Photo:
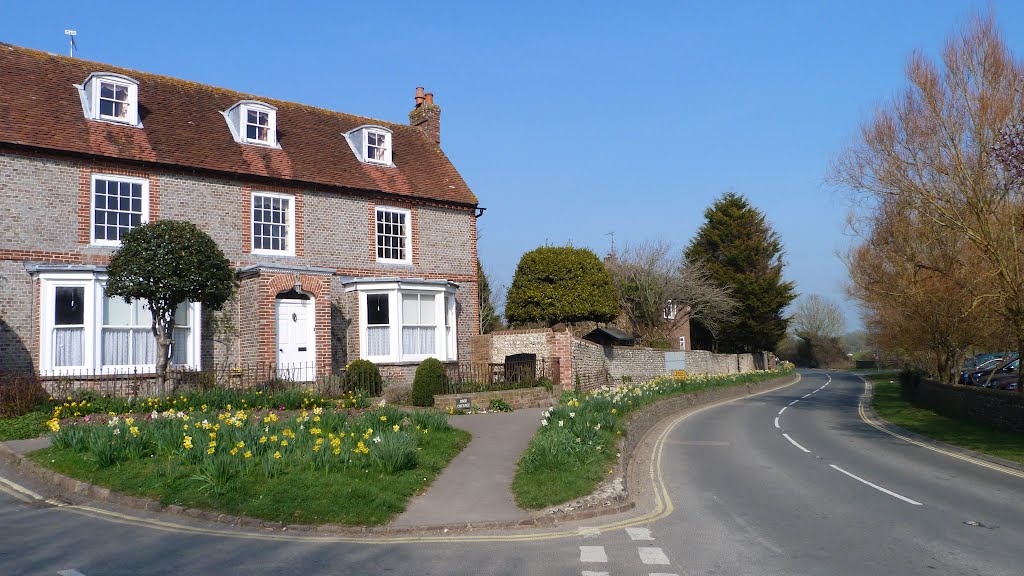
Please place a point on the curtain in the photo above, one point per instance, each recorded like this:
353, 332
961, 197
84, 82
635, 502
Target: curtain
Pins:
67, 349
180, 339
117, 346
418, 339
378, 340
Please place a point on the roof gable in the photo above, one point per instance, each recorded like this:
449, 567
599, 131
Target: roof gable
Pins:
183, 126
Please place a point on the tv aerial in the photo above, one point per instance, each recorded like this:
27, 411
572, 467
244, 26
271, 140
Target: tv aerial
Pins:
71, 37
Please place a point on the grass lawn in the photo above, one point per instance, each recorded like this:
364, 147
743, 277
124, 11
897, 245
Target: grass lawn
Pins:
30, 425
352, 496
963, 433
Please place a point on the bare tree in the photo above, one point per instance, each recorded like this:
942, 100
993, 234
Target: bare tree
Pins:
818, 316
930, 155
651, 276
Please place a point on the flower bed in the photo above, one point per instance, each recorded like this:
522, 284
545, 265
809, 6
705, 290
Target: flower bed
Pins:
575, 447
320, 465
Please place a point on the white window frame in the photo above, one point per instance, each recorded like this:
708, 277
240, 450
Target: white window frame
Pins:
445, 323
144, 218
386, 160
407, 249
89, 92
290, 225
271, 124
92, 353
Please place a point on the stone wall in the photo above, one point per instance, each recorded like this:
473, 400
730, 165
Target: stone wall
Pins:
997, 408
537, 397
591, 365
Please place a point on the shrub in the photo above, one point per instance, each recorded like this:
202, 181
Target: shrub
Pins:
364, 376
499, 405
20, 393
429, 381
399, 394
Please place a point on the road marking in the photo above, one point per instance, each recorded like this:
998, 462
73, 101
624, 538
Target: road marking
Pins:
21, 489
70, 573
794, 443
776, 421
783, 410
794, 401
639, 533
864, 417
806, 395
662, 574
589, 532
652, 555
877, 487
593, 554
589, 573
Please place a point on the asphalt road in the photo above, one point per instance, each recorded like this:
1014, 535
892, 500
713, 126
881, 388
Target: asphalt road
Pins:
751, 501
747, 500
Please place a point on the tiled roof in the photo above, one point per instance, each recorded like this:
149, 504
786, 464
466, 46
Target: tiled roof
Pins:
183, 127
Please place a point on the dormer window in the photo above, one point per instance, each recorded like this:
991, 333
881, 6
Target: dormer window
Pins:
114, 104
253, 122
371, 144
111, 98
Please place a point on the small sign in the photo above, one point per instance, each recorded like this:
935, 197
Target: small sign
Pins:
463, 404
679, 374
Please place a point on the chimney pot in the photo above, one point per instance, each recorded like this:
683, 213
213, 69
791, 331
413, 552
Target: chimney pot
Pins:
419, 96
430, 98
426, 115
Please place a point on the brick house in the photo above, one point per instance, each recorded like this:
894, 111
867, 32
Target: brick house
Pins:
352, 237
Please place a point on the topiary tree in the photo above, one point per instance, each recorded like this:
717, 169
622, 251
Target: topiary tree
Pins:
364, 375
165, 264
429, 381
561, 284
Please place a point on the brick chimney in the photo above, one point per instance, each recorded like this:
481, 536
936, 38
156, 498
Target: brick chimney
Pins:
426, 115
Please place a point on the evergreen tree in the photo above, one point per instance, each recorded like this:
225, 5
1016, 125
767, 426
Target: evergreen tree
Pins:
561, 284
742, 252
489, 318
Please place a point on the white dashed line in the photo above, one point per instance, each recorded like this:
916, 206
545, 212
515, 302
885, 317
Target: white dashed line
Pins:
794, 443
589, 573
776, 421
639, 534
589, 532
662, 574
877, 487
593, 554
70, 573
652, 555
806, 395
783, 410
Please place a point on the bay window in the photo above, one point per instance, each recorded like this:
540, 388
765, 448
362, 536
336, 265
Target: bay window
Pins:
405, 320
84, 331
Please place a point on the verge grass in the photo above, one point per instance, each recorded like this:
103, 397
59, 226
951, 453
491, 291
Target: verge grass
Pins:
30, 425
963, 433
576, 445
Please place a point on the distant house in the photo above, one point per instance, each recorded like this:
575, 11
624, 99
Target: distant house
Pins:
677, 323
352, 237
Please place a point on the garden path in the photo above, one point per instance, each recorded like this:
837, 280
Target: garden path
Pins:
477, 485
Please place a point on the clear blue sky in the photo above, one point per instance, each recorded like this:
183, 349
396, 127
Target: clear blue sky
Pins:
569, 120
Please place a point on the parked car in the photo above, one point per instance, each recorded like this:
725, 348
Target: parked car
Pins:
979, 362
1006, 381
981, 376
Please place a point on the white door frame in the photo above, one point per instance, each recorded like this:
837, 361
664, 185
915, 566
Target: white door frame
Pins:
304, 369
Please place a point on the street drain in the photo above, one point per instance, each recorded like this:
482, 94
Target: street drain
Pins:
974, 523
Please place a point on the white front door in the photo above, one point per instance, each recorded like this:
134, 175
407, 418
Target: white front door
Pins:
296, 357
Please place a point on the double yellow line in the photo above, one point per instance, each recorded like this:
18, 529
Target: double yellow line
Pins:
866, 397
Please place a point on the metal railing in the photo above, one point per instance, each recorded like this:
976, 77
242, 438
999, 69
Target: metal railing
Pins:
467, 377
263, 375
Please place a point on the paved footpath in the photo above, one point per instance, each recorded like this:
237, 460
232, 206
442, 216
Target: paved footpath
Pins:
477, 485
